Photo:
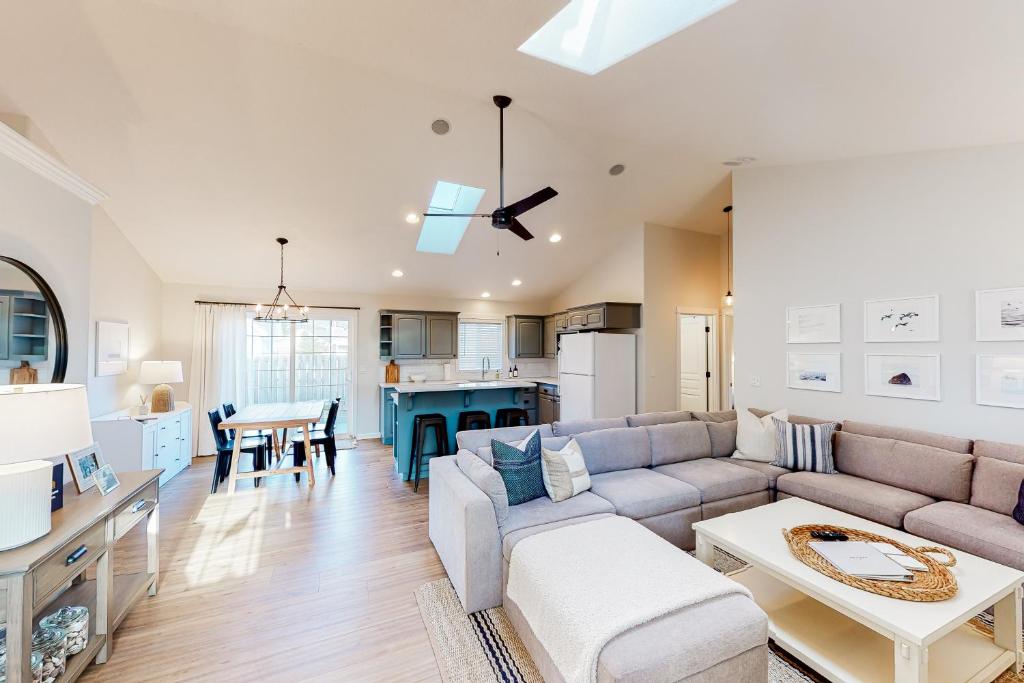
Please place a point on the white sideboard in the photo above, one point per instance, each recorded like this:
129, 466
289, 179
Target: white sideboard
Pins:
161, 440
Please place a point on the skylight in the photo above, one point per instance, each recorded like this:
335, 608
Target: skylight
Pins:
441, 235
592, 35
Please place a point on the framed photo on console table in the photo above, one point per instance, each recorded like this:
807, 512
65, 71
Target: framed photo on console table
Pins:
813, 324
1000, 380
911, 319
999, 314
84, 464
914, 376
814, 371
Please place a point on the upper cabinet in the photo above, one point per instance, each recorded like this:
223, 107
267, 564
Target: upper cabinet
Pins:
603, 316
418, 334
24, 326
525, 336
551, 337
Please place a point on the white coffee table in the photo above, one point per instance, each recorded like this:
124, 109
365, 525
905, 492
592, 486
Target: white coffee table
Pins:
846, 634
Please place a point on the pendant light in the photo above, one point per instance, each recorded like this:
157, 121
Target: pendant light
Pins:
728, 295
282, 311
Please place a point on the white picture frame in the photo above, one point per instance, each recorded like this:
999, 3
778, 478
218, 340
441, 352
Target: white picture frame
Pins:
814, 324
814, 371
112, 348
83, 464
914, 375
999, 380
999, 314
106, 479
904, 319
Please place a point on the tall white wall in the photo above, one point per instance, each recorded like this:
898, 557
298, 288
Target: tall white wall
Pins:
945, 223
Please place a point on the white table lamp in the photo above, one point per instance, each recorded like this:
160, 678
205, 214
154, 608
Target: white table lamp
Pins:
38, 421
163, 373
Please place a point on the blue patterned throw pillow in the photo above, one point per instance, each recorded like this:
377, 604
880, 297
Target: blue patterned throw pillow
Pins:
520, 468
804, 447
1018, 511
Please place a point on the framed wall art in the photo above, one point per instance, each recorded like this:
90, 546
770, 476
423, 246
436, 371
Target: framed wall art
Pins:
999, 380
999, 314
914, 376
814, 324
814, 371
910, 319
111, 348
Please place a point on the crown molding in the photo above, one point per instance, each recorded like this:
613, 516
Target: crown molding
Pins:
20, 149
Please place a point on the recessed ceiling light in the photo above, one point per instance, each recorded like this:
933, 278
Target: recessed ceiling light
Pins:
412, 218
617, 169
485, 295
516, 282
441, 127
555, 238
397, 273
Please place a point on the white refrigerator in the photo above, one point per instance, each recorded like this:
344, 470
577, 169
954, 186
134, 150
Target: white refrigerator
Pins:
596, 375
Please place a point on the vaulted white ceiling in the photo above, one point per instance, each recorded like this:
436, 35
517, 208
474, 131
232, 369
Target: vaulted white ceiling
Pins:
217, 125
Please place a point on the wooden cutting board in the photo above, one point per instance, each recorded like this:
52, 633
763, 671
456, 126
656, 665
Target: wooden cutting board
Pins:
392, 373
25, 374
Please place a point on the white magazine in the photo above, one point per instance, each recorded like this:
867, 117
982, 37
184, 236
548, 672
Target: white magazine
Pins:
861, 559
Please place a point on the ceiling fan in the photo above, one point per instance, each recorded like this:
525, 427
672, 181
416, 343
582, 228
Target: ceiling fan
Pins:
506, 217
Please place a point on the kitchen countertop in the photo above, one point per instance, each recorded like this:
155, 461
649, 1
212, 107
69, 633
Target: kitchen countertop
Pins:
458, 385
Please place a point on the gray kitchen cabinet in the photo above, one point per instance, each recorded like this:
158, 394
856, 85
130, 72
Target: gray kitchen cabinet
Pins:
410, 335
525, 336
550, 337
442, 335
5, 308
603, 316
561, 322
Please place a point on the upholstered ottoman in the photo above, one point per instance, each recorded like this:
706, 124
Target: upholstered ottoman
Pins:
720, 639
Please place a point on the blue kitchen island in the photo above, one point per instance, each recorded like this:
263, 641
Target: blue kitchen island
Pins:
401, 403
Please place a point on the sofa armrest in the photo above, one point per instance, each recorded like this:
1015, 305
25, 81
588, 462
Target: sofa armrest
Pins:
464, 530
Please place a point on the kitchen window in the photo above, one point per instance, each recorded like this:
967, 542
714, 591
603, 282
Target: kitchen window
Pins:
479, 339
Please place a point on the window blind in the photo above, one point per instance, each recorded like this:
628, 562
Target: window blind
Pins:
479, 340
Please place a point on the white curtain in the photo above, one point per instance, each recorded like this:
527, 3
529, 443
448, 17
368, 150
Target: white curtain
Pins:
219, 367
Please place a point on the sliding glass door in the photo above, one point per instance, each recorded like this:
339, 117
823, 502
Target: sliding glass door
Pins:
305, 361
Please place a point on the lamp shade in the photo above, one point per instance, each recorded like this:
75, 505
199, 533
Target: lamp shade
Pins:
42, 421
161, 372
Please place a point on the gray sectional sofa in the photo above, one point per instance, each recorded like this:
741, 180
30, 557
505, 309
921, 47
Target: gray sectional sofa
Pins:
668, 470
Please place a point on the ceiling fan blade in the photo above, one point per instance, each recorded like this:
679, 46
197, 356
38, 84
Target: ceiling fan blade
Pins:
459, 215
535, 199
519, 230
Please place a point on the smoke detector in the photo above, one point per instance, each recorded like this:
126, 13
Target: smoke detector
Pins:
441, 127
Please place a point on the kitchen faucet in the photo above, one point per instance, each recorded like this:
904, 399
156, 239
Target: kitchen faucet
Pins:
485, 367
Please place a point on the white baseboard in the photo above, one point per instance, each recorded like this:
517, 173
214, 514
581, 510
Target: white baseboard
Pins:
368, 435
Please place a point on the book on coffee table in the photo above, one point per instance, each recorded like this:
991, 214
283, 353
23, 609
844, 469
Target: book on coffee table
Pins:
861, 559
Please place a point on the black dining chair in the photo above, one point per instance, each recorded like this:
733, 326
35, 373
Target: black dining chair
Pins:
226, 448
318, 439
229, 410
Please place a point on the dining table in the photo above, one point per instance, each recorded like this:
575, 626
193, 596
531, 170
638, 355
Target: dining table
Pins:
273, 416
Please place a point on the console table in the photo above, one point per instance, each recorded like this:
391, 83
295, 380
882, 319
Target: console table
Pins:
38, 578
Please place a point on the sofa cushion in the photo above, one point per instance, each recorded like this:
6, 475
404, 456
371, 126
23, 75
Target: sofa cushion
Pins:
718, 416
608, 450
773, 472
996, 484
509, 540
478, 438
544, 511
648, 419
723, 438
678, 442
553, 443
1000, 451
487, 480
946, 443
716, 479
574, 427
640, 493
980, 532
862, 497
925, 469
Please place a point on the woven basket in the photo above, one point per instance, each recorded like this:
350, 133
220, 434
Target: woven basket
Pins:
938, 583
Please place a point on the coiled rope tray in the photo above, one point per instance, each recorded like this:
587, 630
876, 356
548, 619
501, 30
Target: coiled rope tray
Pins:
938, 583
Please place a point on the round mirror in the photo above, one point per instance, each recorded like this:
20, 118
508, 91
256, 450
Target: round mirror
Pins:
33, 333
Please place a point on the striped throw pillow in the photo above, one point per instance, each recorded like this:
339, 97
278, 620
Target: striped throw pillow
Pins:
565, 472
520, 468
804, 447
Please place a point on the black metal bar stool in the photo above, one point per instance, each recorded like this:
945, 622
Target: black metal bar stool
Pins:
474, 419
511, 417
420, 425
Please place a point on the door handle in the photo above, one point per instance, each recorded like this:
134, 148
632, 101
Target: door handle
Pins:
76, 556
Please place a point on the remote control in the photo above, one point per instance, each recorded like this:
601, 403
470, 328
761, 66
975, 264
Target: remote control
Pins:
829, 536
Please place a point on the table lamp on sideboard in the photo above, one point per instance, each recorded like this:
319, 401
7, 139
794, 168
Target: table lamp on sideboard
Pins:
38, 421
163, 373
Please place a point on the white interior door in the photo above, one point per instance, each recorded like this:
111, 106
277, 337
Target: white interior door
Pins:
694, 368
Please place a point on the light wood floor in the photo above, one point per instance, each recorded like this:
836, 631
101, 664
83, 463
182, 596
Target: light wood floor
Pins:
283, 584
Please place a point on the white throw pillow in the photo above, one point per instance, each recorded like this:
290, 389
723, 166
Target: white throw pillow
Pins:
565, 472
755, 436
